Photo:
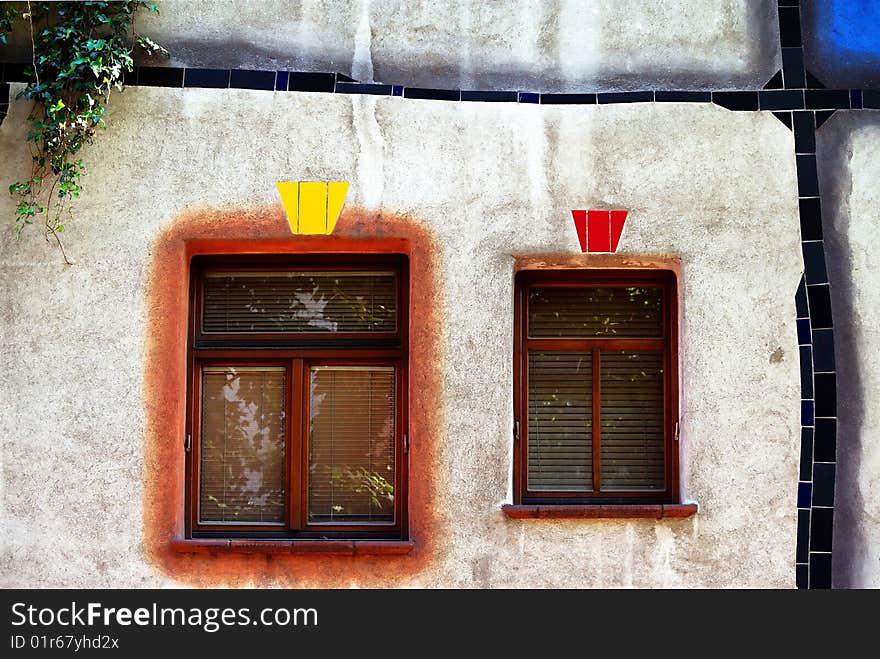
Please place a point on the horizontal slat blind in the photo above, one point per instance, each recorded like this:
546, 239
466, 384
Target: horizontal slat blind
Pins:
582, 312
631, 405
242, 445
560, 441
300, 302
351, 444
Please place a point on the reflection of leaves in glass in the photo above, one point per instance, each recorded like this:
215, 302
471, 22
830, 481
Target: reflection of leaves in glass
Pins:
361, 481
318, 303
243, 447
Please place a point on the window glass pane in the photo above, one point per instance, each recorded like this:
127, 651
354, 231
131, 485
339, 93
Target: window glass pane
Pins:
300, 302
560, 433
631, 386
351, 444
241, 465
581, 312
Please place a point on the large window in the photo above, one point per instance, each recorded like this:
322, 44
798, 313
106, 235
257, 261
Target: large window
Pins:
297, 407
595, 387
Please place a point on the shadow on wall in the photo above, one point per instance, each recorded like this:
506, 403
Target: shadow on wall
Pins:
526, 45
842, 41
852, 544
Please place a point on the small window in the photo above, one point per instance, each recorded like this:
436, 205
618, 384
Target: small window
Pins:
595, 387
296, 412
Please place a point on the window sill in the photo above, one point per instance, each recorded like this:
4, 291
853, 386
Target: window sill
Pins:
599, 511
296, 547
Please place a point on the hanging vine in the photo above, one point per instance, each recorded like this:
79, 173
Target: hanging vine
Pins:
80, 53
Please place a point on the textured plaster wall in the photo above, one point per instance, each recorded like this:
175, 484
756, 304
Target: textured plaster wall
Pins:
466, 44
848, 172
490, 183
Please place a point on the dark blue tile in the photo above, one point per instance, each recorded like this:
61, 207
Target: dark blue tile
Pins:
160, 76
626, 97
825, 441
823, 351
247, 79
682, 97
130, 77
811, 219
801, 576
793, 67
808, 178
800, 301
822, 116
311, 82
802, 550
814, 263
789, 27
281, 80
806, 413
775, 82
363, 88
781, 99
821, 528
855, 99
819, 298
489, 96
529, 97
812, 81
397, 90
739, 101
568, 99
806, 465
820, 571
823, 484
341, 77
804, 496
825, 394
784, 117
826, 99
17, 72
803, 331
206, 78
432, 94
804, 132
806, 361
871, 98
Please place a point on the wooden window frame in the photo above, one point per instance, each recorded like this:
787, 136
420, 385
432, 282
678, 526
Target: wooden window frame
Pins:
668, 344
297, 353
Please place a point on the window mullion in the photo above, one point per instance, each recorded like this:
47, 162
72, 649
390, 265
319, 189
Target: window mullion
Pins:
296, 405
597, 432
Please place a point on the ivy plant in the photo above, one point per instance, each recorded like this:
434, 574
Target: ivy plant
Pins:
81, 51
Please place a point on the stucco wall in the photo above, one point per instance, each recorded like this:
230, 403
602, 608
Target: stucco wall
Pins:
489, 183
531, 45
849, 171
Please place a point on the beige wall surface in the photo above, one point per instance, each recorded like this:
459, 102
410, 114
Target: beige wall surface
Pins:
489, 183
849, 171
531, 45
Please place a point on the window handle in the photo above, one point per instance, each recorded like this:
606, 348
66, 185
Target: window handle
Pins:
187, 444
677, 430
405, 443
515, 431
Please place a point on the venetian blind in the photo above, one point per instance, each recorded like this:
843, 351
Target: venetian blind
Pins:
299, 302
582, 312
351, 444
242, 445
631, 404
560, 441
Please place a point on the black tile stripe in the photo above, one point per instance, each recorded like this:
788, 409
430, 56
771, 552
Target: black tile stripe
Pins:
432, 94
568, 99
247, 79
